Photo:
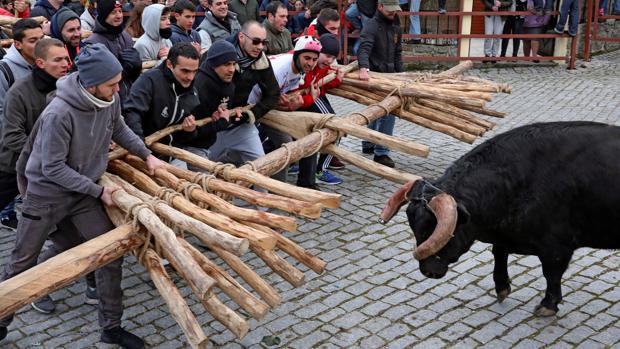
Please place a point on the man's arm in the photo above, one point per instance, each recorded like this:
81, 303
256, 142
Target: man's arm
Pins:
55, 145
367, 42
270, 93
4, 87
14, 133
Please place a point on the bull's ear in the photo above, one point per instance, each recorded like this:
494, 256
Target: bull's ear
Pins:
463, 213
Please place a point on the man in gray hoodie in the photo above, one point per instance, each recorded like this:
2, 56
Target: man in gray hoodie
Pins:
154, 44
62, 172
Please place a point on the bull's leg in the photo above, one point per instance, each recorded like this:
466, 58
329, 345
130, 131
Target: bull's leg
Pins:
500, 272
553, 267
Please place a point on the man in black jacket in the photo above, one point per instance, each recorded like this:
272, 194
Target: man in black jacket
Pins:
166, 96
240, 142
381, 51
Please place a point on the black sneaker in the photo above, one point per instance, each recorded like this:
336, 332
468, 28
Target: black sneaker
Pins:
3, 332
9, 221
121, 337
44, 305
92, 297
384, 160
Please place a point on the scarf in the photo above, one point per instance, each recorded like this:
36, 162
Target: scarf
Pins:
96, 101
246, 61
43, 82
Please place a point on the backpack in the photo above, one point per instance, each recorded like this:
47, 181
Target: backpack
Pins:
8, 74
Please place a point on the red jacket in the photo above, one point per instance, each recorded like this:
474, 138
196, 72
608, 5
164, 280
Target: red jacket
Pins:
23, 14
316, 75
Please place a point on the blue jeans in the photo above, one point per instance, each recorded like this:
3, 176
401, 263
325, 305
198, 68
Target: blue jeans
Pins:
414, 21
569, 7
354, 17
384, 125
616, 7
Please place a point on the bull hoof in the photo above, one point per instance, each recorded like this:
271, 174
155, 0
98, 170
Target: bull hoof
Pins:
543, 311
502, 294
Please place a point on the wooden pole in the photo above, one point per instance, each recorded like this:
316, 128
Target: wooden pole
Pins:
297, 207
216, 220
460, 113
176, 304
223, 206
233, 321
211, 237
244, 174
198, 280
280, 266
63, 269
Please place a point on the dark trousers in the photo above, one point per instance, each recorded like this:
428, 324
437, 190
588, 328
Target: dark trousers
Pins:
8, 188
513, 25
71, 214
309, 166
273, 139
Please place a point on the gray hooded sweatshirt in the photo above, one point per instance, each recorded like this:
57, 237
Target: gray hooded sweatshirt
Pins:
150, 42
19, 67
70, 151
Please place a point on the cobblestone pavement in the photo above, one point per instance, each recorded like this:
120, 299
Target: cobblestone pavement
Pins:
372, 295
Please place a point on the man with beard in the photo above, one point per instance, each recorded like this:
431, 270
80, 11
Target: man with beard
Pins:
381, 51
109, 32
66, 27
240, 142
218, 24
279, 38
62, 172
289, 70
154, 44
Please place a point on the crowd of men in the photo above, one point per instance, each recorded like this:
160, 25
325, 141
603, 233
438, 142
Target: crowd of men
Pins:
65, 101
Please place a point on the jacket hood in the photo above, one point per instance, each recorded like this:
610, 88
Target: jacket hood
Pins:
16, 58
150, 21
68, 89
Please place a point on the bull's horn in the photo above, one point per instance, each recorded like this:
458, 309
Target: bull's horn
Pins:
444, 207
396, 201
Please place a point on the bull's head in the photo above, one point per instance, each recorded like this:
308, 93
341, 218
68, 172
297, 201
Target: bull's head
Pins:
435, 217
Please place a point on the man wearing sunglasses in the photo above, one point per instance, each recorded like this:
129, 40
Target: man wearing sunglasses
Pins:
240, 142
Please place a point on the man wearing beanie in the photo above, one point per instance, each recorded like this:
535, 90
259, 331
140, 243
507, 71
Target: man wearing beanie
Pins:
62, 171
165, 96
155, 43
314, 100
381, 51
109, 32
66, 27
289, 70
240, 142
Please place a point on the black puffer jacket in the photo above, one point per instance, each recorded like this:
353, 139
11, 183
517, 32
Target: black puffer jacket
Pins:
380, 48
157, 101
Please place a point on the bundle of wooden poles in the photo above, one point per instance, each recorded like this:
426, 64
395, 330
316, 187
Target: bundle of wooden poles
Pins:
155, 212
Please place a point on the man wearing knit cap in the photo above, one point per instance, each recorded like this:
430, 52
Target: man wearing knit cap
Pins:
109, 32
66, 27
62, 171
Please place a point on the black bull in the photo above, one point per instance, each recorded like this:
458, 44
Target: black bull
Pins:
543, 189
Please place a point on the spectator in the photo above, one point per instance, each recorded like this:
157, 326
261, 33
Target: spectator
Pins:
246, 10
353, 15
166, 96
19, 6
109, 32
414, 21
380, 50
183, 12
315, 101
240, 142
201, 11
62, 170
494, 25
533, 24
24, 103
20, 57
514, 25
46, 8
569, 8
219, 24
298, 22
278, 37
328, 21
134, 25
66, 27
155, 43
87, 18
288, 70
